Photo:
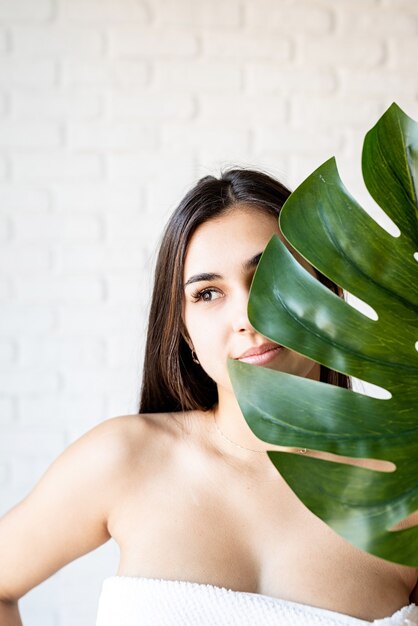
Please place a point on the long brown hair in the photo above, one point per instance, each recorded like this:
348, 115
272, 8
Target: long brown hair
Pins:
172, 381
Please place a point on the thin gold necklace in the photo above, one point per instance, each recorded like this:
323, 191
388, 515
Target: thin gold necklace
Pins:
234, 443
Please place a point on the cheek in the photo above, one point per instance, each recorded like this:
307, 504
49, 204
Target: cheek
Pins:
209, 344
204, 336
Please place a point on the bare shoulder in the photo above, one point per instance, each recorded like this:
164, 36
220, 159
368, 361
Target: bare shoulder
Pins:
126, 432
136, 441
67, 513
117, 441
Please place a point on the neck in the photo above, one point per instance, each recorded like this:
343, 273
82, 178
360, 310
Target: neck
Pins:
234, 436
231, 422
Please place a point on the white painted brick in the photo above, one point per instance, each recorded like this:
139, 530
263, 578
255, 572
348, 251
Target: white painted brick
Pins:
31, 227
162, 199
125, 402
35, 615
403, 54
4, 170
393, 21
112, 136
49, 104
24, 441
15, 258
5, 228
149, 106
128, 229
4, 474
15, 72
26, 10
26, 469
3, 104
212, 157
367, 4
19, 197
378, 83
7, 410
8, 352
93, 258
57, 166
9, 495
198, 76
404, 6
283, 139
122, 351
238, 46
301, 166
97, 319
30, 135
127, 287
21, 381
205, 137
145, 165
267, 78
344, 51
6, 290
57, 41
4, 41
207, 13
80, 613
334, 112
130, 42
84, 410
286, 17
111, 74
105, 11
99, 197
240, 109
84, 379
63, 350
15, 318
37, 289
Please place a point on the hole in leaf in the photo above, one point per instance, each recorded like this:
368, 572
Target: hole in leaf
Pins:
416, 346
377, 465
361, 306
416, 256
407, 522
368, 389
379, 216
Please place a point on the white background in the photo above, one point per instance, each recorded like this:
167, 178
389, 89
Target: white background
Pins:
109, 111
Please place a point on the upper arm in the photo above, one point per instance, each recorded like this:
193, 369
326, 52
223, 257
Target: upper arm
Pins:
65, 516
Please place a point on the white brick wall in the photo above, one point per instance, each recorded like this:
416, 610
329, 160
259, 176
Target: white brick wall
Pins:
109, 111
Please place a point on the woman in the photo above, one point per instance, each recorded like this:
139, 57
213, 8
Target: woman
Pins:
209, 533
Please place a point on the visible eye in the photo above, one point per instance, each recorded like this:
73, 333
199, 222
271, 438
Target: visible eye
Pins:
206, 295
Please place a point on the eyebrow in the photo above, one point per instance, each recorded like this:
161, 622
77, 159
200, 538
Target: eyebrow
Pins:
207, 276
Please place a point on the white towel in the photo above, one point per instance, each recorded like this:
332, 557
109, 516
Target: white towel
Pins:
136, 601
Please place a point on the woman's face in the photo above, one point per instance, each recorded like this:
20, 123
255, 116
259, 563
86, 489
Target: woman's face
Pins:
221, 259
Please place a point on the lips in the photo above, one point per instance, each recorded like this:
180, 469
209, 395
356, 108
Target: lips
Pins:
259, 355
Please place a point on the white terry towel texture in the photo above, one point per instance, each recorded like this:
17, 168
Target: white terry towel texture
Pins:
136, 601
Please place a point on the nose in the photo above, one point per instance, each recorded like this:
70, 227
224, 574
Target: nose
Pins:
240, 321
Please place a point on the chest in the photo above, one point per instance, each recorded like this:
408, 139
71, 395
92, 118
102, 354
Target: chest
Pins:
249, 535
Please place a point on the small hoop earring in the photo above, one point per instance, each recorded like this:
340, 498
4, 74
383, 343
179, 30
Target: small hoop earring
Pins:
194, 357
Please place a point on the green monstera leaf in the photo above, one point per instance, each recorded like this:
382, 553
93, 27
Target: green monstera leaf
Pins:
331, 230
